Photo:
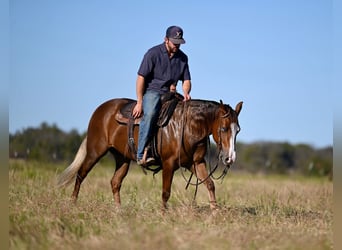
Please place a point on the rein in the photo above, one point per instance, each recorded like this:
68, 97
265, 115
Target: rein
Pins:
210, 174
212, 170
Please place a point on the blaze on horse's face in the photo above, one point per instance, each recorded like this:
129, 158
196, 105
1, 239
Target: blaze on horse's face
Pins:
227, 130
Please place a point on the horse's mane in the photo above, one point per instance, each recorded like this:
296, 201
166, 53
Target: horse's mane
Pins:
200, 102
201, 107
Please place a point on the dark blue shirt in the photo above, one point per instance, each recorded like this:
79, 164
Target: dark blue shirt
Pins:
160, 71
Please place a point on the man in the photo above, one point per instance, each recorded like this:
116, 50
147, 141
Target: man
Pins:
160, 70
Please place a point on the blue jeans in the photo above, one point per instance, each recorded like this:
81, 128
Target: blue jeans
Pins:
151, 107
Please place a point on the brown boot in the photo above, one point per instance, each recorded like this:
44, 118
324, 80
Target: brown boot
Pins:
148, 162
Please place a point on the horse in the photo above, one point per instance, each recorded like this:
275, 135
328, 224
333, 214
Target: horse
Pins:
181, 143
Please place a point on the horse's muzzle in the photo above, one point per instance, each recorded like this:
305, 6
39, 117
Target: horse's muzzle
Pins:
228, 159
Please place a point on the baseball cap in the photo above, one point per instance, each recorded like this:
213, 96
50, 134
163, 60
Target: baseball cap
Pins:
175, 34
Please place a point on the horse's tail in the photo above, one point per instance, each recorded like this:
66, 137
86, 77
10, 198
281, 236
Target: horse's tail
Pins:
69, 174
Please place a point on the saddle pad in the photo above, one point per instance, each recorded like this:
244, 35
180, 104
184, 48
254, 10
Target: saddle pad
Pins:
124, 116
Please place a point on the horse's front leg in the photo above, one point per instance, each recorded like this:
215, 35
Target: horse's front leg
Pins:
122, 166
167, 181
202, 174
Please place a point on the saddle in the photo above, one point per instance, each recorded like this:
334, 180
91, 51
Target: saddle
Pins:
169, 102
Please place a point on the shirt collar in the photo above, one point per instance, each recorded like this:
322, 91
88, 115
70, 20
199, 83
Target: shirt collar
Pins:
164, 50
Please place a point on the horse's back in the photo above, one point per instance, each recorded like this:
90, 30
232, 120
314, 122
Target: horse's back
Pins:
111, 106
103, 118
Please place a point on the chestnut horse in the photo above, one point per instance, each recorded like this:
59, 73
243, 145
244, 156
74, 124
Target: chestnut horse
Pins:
181, 143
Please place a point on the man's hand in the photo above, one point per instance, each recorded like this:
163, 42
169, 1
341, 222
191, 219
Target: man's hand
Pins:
187, 97
137, 111
173, 88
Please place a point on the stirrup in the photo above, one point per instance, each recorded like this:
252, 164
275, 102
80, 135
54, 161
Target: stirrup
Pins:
148, 161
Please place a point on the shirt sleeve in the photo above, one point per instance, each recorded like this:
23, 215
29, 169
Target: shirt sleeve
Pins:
146, 66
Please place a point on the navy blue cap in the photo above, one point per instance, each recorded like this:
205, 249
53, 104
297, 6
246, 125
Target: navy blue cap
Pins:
175, 34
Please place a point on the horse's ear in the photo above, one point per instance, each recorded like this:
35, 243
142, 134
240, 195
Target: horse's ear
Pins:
238, 108
221, 102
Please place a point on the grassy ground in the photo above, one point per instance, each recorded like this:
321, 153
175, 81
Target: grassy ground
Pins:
256, 212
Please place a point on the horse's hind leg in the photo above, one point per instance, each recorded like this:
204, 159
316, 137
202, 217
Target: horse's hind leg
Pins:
121, 169
200, 171
88, 163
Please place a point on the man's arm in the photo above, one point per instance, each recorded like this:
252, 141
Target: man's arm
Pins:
186, 89
140, 86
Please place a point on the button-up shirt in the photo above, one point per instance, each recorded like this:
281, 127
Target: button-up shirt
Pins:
160, 71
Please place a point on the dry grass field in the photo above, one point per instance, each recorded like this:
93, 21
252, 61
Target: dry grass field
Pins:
256, 212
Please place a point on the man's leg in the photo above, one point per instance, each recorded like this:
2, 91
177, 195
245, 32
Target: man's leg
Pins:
151, 107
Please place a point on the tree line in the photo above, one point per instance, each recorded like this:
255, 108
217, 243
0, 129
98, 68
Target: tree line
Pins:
51, 144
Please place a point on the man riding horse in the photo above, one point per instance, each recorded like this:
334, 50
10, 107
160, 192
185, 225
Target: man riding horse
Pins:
160, 70
182, 141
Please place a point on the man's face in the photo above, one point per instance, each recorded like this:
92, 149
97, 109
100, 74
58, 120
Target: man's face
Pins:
171, 47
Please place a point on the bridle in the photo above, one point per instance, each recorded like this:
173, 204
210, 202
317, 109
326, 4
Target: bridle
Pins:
221, 129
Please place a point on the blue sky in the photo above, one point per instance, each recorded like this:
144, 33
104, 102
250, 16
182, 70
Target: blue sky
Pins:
67, 57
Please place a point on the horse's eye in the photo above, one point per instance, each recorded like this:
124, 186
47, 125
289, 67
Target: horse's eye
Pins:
224, 129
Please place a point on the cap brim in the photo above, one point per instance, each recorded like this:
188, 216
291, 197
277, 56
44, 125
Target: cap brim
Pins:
177, 41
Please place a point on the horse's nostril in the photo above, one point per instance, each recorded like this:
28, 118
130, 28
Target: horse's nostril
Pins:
227, 160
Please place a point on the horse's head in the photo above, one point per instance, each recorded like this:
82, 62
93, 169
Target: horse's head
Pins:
225, 130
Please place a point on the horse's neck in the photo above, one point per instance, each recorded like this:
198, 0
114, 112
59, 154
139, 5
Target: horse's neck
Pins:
201, 113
